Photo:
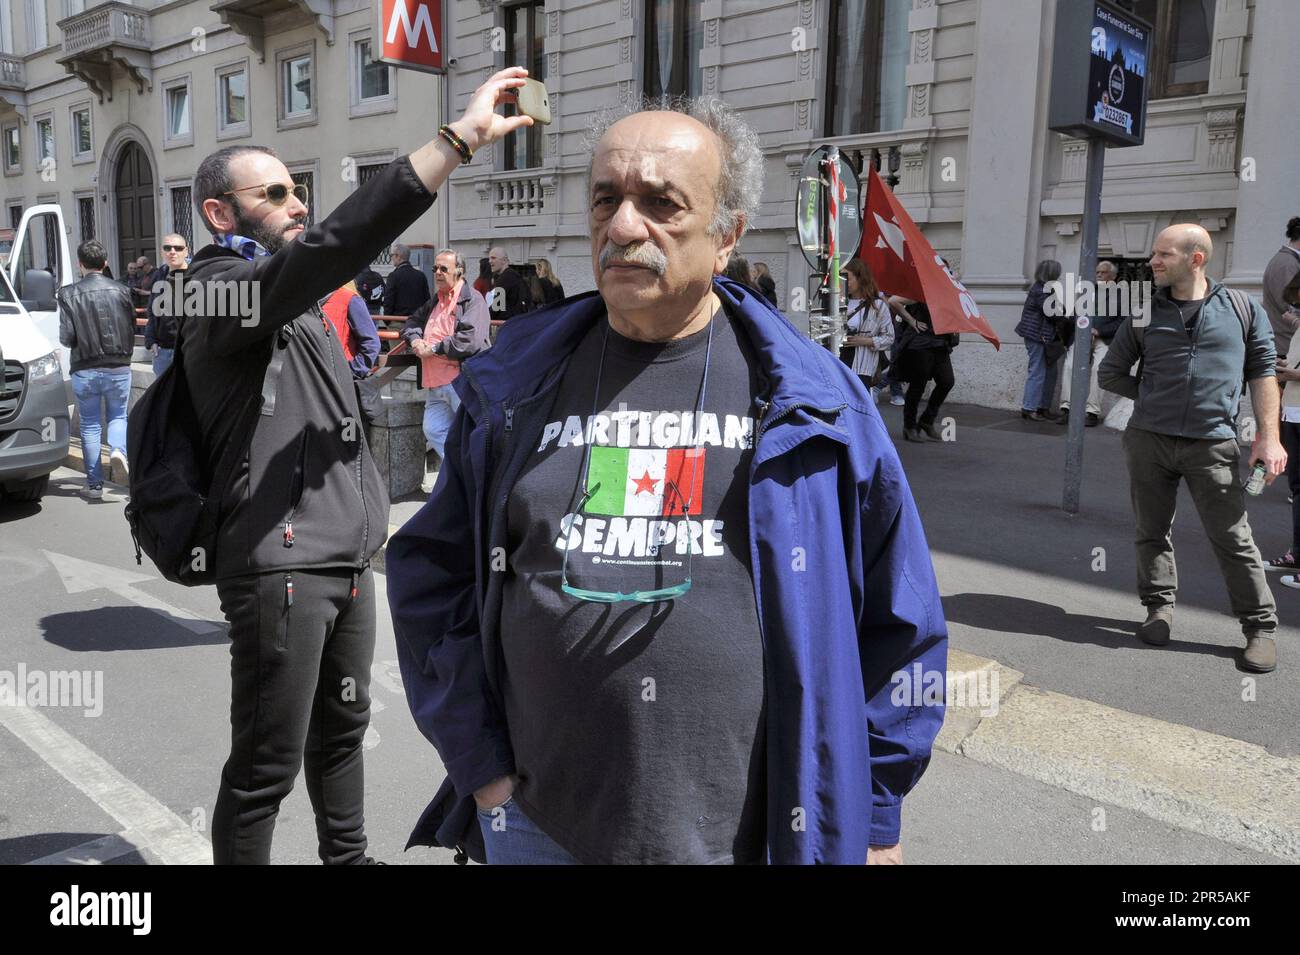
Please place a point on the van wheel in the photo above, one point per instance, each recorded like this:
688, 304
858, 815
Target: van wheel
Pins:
30, 491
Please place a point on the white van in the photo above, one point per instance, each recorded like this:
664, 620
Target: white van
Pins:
35, 393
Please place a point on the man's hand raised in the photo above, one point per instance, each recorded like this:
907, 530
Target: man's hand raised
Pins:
481, 123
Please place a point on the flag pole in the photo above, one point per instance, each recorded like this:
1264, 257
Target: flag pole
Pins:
833, 229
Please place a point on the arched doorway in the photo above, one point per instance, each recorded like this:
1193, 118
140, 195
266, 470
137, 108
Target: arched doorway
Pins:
134, 193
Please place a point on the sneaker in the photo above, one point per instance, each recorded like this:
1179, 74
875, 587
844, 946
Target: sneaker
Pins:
1031, 415
1260, 655
118, 472
1093, 420
897, 401
94, 491
1291, 580
1155, 630
1286, 562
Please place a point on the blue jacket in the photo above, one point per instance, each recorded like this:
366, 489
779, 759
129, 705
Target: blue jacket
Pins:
1035, 324
843, 581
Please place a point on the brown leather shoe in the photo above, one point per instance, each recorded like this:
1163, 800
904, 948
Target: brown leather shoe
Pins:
1155, 630
1260, 655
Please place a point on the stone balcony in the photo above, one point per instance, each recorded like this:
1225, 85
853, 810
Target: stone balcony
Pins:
254, 19
13, 84
105, 42
12, 74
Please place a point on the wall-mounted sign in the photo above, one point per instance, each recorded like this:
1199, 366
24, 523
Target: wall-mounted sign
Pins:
410, 34
1099, 72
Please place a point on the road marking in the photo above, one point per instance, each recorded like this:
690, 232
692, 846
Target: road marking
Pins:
151, 824
1224, 788
81, 575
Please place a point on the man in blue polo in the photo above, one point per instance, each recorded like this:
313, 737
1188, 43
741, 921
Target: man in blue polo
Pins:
652, 610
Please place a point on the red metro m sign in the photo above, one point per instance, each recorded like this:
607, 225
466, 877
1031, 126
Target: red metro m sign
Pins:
410, 34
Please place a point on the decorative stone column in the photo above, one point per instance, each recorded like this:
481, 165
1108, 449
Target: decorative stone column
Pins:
1001, 203
1266, 198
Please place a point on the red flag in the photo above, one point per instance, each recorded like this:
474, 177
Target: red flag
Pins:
905, 264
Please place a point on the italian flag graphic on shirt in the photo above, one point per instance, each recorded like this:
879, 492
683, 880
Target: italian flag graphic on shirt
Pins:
636, 481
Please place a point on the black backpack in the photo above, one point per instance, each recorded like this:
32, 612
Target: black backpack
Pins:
173, 510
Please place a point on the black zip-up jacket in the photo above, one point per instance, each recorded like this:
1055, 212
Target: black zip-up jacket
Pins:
161, 327
405, 290
1191, 382
97, 322
307, 494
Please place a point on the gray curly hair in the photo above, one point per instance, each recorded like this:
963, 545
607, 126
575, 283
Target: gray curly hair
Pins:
740, 185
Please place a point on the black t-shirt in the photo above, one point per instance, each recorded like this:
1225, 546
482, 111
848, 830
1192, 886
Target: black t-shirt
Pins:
637, 728
1189, 310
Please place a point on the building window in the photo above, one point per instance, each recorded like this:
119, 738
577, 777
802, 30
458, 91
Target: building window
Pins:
365, 173
178, 128
297, 92
38, 32
73, 7
376, 78
83, 142
866, 70
373, 84
674, 36
45, 142
232, 102
86, 216
1181, 42
15, 215
307, 177
525, 45
297, 86
13, 148
183, 214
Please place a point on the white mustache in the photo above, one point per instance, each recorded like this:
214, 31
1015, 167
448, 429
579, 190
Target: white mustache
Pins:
645, 254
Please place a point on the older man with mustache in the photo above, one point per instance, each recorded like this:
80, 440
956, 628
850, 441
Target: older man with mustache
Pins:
655, 608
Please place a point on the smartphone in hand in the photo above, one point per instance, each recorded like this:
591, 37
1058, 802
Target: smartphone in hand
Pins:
534, 101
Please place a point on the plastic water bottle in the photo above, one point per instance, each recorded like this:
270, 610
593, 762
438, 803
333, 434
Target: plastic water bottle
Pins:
1255, 483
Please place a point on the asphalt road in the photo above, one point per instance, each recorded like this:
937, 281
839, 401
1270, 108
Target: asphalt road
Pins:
1019, 586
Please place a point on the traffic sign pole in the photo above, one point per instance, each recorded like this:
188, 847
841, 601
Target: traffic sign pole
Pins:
1078, 371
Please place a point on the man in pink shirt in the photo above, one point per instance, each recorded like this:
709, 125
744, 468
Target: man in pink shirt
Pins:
449, 328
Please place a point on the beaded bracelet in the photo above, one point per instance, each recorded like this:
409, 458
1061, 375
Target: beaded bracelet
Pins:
456, 143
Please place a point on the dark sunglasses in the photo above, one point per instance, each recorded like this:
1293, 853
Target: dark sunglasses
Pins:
173, 248
441, 268
276, 193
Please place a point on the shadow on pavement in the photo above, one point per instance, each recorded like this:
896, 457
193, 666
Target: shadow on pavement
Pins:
23, 849
122, 628
15, 511
1018, 615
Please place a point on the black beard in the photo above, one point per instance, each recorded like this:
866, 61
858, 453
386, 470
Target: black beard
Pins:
265, 236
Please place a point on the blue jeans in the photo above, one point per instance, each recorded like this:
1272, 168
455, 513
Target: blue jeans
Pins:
1041, 380
93, 388
440, 407
162, 360
511, 838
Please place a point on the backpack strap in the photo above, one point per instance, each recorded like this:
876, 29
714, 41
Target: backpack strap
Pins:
274, 368
1241, 305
